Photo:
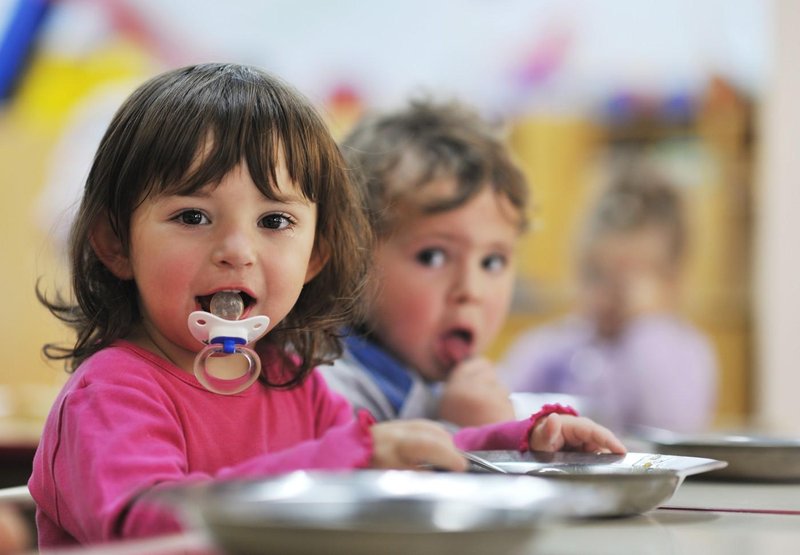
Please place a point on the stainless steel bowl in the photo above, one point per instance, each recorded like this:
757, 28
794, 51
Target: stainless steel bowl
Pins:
749, 457
637, 482
384, 512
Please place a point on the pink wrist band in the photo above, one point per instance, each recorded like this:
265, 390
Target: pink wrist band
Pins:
546, 410
365, 421
553, 408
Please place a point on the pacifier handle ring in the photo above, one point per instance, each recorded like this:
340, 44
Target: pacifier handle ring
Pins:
225, 386
226, 337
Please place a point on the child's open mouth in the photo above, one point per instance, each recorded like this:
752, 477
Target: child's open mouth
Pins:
456, 346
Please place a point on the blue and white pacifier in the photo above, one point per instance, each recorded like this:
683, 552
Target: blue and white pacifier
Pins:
224, 335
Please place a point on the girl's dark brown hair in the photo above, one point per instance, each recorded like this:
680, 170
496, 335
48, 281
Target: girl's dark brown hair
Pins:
229, 114
396, 155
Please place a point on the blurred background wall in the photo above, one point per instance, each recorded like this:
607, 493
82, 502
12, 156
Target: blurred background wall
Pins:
577, 83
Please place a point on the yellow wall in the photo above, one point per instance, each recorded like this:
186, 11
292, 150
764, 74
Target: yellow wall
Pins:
32, 122
29, 382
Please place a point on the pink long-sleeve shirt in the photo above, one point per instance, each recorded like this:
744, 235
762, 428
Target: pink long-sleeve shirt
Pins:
128, 421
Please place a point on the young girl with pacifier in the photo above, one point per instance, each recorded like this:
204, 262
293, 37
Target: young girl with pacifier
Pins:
215, 256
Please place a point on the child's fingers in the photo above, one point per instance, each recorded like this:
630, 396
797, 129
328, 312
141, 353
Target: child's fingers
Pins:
14, 533
411, 443
557, 431
586, 435
473, 395
547, 434
433, 447
478, 368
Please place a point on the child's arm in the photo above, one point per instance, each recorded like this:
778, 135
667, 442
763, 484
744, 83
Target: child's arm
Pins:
564, 431
473, 395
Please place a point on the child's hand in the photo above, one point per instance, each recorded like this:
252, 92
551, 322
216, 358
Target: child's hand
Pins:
557, 432
407, 444
473, 395
14, 532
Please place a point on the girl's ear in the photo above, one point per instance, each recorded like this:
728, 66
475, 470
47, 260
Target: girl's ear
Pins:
319, 257
108, 248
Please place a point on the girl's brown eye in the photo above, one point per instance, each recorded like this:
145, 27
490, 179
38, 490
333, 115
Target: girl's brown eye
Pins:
276, 221
191, 217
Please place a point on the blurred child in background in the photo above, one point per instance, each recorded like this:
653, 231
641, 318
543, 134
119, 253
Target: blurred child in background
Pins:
625, 351
447, 205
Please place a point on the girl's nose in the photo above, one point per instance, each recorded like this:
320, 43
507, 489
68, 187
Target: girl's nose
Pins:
234, 248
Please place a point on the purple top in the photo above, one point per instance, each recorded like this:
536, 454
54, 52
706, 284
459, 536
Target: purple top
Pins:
661, 372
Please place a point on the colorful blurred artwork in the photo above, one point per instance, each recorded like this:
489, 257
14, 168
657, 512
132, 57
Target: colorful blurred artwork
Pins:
24, 21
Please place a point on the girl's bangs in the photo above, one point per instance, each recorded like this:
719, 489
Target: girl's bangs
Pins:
247, 123
215, 158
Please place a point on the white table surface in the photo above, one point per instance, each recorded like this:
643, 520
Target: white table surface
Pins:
703, 517
675, 532
742, 496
